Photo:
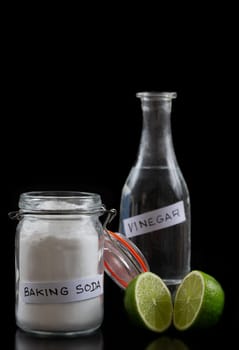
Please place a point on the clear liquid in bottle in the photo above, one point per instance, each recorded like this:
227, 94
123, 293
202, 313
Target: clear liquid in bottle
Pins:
155, 202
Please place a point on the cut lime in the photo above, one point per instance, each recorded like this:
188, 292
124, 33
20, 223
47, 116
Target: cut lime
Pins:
148, 302
199, 301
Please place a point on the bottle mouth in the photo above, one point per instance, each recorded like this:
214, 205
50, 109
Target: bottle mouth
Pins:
154, 95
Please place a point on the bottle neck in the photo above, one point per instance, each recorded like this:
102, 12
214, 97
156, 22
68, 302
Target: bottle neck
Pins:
156, 145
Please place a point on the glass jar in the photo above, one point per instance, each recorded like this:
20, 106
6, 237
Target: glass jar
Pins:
59, 262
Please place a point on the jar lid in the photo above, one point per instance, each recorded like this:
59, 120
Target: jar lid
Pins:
122, 259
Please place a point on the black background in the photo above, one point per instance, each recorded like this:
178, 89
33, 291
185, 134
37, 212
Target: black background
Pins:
71, 121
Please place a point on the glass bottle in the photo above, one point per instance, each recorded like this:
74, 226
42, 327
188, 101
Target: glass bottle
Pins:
155, 202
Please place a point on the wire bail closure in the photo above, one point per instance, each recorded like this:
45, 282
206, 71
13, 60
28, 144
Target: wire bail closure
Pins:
111, 213
15, 215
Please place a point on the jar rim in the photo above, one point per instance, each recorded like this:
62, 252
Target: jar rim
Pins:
58, 194
156, 95
62, 201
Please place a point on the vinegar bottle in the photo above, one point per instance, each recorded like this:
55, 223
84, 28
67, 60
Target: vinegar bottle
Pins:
155, 202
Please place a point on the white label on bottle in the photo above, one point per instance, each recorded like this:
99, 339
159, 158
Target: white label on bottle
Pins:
61, 292
154, 220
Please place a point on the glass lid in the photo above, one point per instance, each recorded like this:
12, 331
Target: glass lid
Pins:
122, 259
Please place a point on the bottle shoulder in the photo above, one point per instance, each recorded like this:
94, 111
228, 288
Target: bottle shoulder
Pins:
158, 175
148, 182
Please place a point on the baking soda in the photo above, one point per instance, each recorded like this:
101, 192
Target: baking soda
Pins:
60, 273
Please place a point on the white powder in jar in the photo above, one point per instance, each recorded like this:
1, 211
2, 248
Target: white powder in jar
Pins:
59, 249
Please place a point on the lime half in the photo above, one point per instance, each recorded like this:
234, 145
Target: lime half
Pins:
199, 301
148, 302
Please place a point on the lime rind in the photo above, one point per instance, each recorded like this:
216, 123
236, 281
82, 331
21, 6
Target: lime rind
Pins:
213, 302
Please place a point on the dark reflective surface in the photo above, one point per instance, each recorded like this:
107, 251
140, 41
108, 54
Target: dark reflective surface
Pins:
24, 341
167, 343
117, 332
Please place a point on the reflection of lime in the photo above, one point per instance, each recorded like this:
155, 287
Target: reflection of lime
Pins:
166, 343
148, 302
198, 302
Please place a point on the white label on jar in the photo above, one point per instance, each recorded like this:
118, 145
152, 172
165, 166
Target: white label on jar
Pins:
61, 292
154, 220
